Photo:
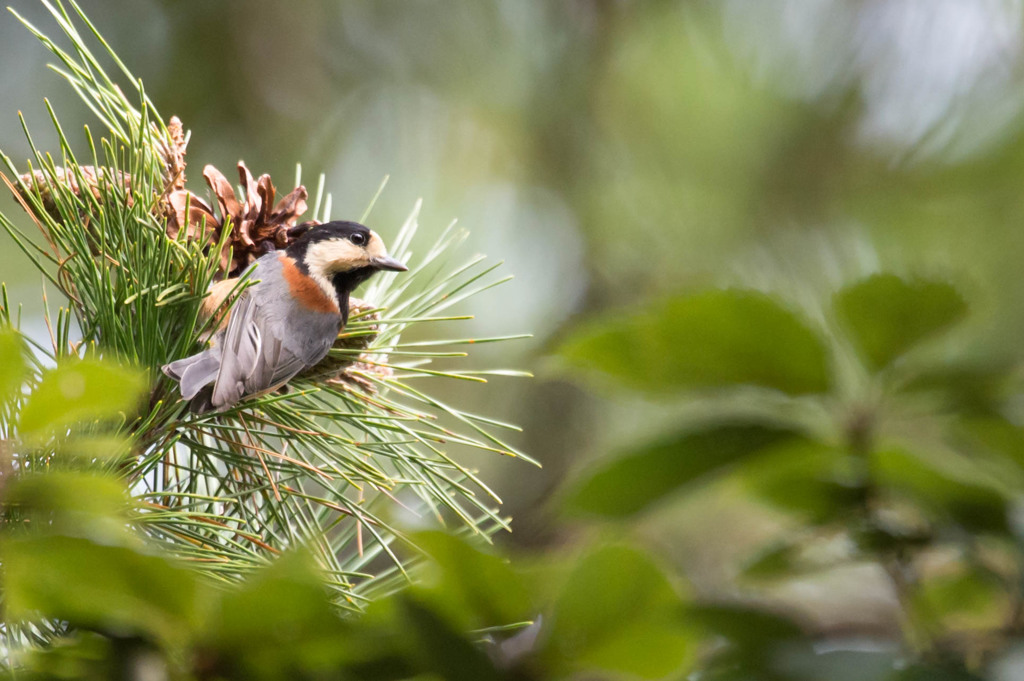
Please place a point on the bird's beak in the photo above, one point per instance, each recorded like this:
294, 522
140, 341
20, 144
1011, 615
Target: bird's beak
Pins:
388, 263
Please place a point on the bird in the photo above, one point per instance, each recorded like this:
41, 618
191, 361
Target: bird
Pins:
287, 321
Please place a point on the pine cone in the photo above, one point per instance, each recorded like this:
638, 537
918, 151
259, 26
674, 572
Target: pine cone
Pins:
258, 225
174, 155
91, 177
174, 173
173, 151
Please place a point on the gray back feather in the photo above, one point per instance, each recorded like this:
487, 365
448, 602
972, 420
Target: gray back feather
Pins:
269, 338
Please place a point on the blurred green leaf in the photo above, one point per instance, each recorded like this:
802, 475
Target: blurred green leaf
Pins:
12, 361
83, 656
70, 503
886, 315
474, 589
442, 650
747, 626
777, 560
283, 604
618, 612
811, 479
109, 588
970, 599
975, 387
278, 624
996, 434
77, 391
927, 672
94, 447
757, 641
710, 339
634, 482
378, 645
767, 647
957, 495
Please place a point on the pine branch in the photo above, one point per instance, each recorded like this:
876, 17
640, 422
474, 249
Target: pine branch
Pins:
328, 465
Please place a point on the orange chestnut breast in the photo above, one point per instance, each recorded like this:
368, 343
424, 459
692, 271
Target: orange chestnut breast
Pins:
305, 290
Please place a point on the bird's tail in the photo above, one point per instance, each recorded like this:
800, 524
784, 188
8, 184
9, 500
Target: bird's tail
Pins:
194, 374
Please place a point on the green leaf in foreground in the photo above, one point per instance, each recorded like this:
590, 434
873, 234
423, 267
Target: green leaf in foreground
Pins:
77, 391
759, 644
634, 482
284, 606
473, 589
442, 650
70, 502
812, 480
111, 588
779, 560
12, 362
618, 612
973, 598
705, 340
750, 629
955, 493
886, 315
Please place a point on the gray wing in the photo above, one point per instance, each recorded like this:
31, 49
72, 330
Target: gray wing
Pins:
200, 373
253, 358
266, 342
195, 372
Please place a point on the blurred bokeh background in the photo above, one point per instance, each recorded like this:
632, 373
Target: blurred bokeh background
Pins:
610, 152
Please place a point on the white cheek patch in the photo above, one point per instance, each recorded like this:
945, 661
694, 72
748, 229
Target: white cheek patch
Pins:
337, 255
375, 249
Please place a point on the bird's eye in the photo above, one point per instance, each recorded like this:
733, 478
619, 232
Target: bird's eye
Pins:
358, 239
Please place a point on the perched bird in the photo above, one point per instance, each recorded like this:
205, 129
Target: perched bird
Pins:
288, 321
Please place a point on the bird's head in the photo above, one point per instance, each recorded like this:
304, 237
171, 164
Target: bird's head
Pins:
342, 255
342, 247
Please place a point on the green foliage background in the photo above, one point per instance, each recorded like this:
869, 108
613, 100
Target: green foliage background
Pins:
770, 252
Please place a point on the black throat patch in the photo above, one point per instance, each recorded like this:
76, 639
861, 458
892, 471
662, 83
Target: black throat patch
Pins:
347, 282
